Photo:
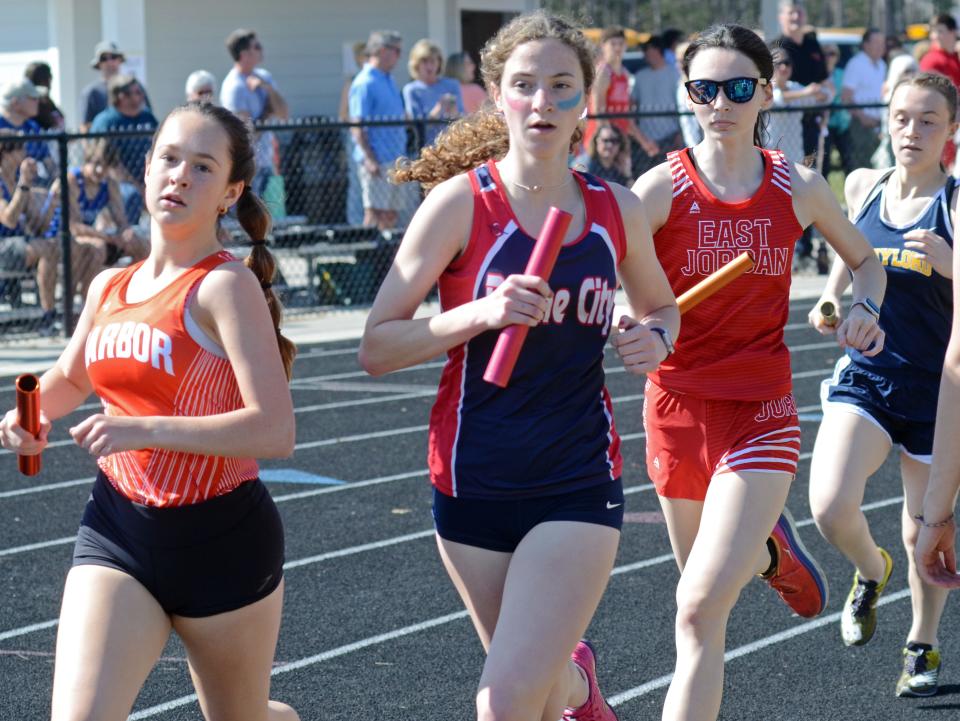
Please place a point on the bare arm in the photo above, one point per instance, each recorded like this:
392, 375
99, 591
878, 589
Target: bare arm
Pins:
858, 184
393, 338
278, 104
230, 307
648, 292
936, 546
62, 388
815, 204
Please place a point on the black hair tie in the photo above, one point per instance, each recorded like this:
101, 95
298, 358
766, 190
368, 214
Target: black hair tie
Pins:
266, 286
262, 241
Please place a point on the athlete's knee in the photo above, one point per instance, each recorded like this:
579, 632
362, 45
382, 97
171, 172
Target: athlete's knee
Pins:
833, 517
703, 610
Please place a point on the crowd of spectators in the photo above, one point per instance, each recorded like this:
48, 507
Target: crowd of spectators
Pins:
635, 119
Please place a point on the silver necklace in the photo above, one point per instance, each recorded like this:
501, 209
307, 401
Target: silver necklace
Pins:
538, 188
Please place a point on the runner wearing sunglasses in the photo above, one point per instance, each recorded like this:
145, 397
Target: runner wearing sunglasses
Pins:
723, 438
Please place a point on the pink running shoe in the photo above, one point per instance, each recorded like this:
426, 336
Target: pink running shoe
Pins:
595, 708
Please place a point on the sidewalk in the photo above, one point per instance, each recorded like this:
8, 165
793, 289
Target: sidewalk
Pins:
37, 355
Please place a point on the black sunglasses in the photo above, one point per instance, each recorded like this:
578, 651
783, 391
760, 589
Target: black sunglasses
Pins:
738, 90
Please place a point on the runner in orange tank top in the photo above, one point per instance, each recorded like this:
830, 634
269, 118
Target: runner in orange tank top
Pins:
723, 439
179, 534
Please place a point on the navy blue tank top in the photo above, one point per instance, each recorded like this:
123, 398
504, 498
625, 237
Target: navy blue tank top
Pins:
6, 232
89, 207
918, 305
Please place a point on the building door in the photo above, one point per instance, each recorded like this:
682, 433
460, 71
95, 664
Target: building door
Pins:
478, 26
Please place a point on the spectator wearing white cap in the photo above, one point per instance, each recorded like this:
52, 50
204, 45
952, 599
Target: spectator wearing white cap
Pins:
19, 104
108, 59
201, 86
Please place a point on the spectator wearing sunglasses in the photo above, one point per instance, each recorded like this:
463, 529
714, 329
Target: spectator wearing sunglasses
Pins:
251, 93
723, 436
608, 155
108, 59
201, 87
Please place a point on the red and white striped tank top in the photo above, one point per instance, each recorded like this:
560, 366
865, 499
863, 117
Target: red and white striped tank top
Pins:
731, 345
142, 361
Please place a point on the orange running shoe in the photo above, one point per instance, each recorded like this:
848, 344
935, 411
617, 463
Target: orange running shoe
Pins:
795, 575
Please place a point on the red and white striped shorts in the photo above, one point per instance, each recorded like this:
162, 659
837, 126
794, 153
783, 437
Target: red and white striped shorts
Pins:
690, 440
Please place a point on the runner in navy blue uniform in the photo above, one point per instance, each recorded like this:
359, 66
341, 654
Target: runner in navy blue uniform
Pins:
528, 501
874, 402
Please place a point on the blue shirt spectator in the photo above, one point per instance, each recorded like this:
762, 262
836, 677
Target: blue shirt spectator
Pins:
250, 92
374, 96
19, 104
419, 99
430, 94
133, 150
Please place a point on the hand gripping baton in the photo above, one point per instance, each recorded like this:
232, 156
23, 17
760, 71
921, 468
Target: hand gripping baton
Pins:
714, 282
28, 417
542, 259
828, 311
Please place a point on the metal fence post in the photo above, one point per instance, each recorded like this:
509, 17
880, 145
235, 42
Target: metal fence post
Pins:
62, 143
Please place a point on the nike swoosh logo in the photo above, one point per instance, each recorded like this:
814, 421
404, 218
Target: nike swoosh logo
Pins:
611, 506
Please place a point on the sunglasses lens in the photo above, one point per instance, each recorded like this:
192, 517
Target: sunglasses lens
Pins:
740, 90
702, 91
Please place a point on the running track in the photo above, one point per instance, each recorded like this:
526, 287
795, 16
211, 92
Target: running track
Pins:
372, 627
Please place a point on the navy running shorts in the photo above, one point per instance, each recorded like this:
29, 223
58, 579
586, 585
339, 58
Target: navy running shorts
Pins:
903, 409
196, 560
500, 524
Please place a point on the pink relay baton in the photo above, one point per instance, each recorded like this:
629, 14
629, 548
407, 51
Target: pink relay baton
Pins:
542, 259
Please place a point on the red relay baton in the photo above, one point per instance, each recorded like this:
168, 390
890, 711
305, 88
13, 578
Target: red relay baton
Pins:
542, 259
28, 417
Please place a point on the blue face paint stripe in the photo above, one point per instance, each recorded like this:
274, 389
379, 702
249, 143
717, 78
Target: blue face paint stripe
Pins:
571, 103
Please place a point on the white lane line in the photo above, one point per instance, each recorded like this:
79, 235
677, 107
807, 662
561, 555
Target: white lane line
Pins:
357, 549
349, 485
749, 648
28, 629
410, 429
46, 487
619, 570
37, 546
312, 660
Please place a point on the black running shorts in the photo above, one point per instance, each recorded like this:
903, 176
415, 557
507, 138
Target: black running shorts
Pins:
197, 560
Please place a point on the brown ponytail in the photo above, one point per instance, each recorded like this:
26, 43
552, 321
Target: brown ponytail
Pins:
252, 213
254, 218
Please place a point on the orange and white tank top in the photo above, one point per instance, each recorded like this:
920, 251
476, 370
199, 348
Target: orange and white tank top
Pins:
143, 361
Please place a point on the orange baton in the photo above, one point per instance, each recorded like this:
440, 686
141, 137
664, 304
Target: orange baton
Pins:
28, 417
714, 282
541, 262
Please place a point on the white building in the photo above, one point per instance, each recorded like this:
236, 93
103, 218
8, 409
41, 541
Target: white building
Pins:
165, 40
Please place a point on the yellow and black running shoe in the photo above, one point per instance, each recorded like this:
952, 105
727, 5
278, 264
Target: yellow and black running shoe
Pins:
858, 621
921, 671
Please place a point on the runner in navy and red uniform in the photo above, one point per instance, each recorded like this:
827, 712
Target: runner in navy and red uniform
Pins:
875, 401
184, 353
723, 439
528, 500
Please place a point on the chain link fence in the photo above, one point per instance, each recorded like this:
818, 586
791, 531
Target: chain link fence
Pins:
329, 253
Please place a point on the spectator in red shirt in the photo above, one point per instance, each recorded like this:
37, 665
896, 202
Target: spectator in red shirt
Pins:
942, 58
